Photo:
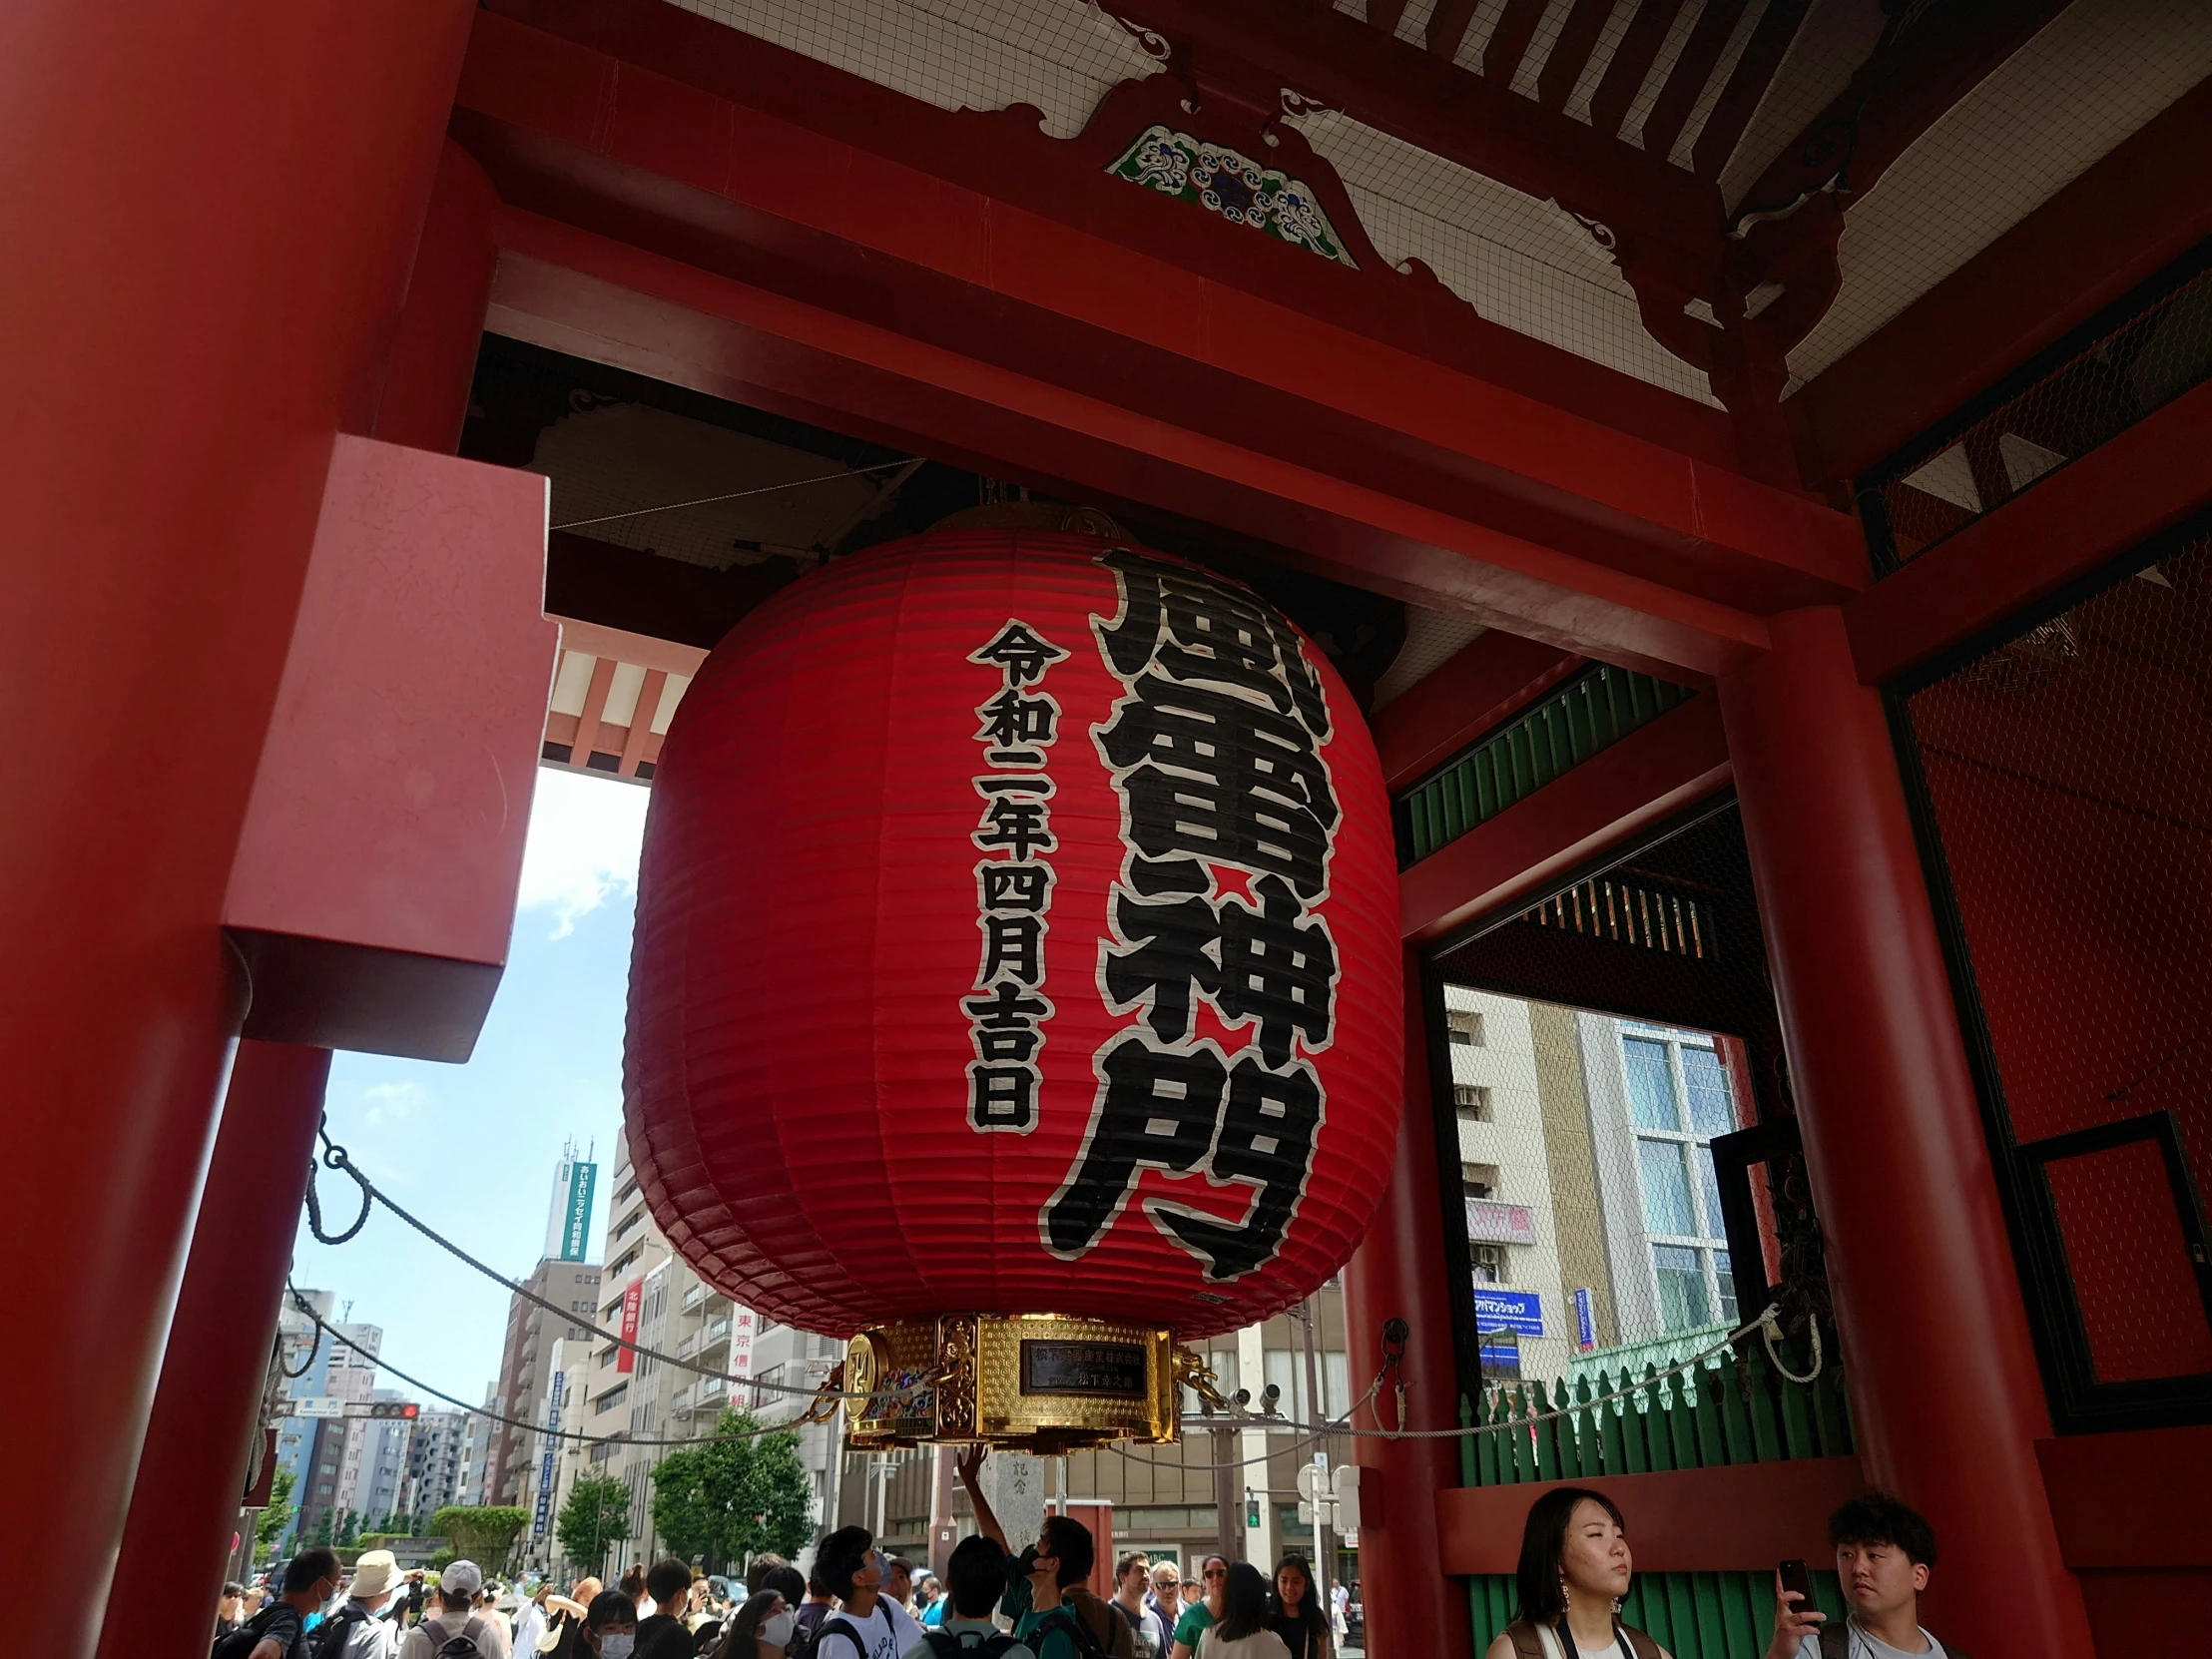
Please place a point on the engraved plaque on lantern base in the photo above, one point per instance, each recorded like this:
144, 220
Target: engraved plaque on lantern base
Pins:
1042, 1382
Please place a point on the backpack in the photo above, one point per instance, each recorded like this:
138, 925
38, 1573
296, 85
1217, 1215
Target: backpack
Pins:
947, 1644
329, 1640
1525, 1645
462, 1646
240, 1643
1063, 1617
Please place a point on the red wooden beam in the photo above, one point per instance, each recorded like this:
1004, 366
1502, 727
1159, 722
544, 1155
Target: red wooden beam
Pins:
2115, 226
1570, 53
2090, 511
1511, 859
1509, 39
1443, 711
2098, 1482
1747, 84
1440, 486
1737, 1517
1700, 53
612, 302
1632, 61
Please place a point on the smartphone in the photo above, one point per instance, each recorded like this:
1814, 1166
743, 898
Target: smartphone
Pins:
1796, 1580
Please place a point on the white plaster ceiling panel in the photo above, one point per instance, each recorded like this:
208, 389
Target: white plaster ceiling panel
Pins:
1519, 261
1432, 639
2088, 79
1061, 55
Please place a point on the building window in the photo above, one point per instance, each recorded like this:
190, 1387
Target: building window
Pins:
1474, 1101
1490, 1263
1464, 1026
1481, 1180
612, 1397
1678, 1100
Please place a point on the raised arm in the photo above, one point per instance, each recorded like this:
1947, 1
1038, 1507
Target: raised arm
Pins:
969, 1463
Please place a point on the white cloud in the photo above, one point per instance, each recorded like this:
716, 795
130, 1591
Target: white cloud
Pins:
393, 1103
585, 838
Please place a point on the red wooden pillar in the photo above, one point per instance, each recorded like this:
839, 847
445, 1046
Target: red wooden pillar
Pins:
212, 212
433, 356
1398, 1273
1944, 1389
207, 1408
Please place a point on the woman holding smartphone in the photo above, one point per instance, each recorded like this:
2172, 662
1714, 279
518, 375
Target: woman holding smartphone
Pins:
1574, 1568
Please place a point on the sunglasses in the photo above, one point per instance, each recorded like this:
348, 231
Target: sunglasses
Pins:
1217, 1572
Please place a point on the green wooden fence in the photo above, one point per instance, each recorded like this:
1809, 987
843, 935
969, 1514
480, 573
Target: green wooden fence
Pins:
1733, 1411
1562, 731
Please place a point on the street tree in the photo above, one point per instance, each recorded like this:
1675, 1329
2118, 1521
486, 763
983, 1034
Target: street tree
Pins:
481, 1534
596, 1516
277, 1513
733, 1495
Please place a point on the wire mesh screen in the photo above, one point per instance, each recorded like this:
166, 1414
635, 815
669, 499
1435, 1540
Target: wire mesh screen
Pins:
2067, 777
1619, 1114
2147, 351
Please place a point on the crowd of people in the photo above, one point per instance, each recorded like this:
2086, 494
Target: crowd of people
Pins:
861, 1602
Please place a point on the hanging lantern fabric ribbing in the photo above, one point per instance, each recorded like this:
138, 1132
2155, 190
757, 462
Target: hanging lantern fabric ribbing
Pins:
1016, 975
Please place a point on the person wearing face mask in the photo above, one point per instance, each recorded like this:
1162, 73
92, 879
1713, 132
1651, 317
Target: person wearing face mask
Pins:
867, 1624
610, 1627
279, 1630
761, 1629
1574, 1568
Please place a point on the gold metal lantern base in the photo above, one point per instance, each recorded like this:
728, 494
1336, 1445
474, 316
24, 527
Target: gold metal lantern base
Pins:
1045, 1384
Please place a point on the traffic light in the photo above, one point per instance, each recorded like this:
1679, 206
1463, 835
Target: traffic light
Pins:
1252, 1508
394, 1409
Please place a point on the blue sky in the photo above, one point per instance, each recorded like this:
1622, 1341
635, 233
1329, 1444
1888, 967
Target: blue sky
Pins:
471, 1148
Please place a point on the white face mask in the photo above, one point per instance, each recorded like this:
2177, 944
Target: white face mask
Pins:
776, 1631
617, 1645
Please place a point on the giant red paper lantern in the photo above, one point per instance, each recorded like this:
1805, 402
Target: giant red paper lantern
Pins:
1017, 933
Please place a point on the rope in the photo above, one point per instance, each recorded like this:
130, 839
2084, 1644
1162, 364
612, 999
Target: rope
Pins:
306, 1365
338, 1157
323, 1329
335, 1157
1768, 1324
739, 495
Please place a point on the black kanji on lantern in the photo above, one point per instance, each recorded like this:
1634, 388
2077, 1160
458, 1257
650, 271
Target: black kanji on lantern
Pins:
1156, 1109
1265, 1141
1219, 777
1215, 749
1014, 891
1019, 653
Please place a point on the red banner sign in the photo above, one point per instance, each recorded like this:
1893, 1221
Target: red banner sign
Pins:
631, 1298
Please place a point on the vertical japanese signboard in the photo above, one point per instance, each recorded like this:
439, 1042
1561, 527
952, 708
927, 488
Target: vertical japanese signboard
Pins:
633, 1298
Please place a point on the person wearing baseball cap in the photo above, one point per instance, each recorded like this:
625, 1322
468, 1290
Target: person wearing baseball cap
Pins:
366, 1635
456, 1620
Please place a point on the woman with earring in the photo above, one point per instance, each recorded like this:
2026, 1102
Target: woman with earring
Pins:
1574, 1568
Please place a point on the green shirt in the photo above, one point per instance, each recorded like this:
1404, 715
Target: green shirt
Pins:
1192, 1625
1054, 1643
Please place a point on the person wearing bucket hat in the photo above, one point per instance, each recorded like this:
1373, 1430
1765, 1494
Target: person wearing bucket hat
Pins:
358, 1630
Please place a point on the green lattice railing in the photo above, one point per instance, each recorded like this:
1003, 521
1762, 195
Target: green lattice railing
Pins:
1596, 708
1735, 1411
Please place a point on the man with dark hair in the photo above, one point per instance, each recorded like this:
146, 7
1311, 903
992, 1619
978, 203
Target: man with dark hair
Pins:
279, 1630
867, 1624
1884, 1551
975, 1578
1149, 1638
758, 1569
663, 1635
1054, 1610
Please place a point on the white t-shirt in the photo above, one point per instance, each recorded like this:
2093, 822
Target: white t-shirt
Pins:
1859, 1644
1619, 1648
1261, 1644
888, 1632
